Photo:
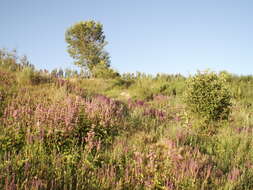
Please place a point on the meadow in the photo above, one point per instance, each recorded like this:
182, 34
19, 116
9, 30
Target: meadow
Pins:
60, 130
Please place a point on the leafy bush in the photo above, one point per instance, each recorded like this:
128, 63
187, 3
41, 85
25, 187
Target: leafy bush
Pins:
101, 70
25, 76
208, 96
29, 76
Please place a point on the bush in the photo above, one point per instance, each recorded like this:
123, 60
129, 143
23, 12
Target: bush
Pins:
29, 76
25, 76
208, 96
101, 70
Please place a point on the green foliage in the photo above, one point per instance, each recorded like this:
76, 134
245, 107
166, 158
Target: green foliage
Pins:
146, 87
29, 76
11, 139
86, 41
208, 96
56, 132
25, 76
101, 70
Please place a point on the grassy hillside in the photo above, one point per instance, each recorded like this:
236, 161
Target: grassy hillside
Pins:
129, 132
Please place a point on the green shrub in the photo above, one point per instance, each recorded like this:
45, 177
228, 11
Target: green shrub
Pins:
40, 78
101, 70
29, 76
208, 96
25, 76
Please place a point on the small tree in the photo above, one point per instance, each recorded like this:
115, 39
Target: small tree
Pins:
86, 42
208, 96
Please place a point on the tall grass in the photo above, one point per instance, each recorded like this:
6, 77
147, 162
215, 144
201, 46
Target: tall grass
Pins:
61, 133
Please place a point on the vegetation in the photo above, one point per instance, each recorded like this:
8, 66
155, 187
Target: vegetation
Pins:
86, 41
61, 130
208, 98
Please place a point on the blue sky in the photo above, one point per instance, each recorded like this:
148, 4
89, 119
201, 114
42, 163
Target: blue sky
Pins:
151, 36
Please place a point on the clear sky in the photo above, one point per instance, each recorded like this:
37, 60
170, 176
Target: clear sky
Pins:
151, 36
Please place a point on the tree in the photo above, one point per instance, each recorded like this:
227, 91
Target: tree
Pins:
86, 42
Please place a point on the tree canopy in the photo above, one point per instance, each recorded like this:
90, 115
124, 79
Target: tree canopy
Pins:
86, 42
